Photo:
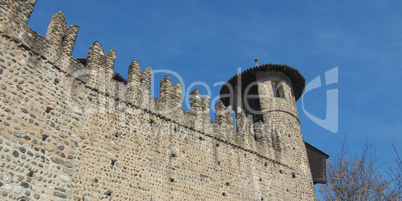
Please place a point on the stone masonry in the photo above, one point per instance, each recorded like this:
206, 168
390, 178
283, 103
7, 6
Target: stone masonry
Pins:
73, 129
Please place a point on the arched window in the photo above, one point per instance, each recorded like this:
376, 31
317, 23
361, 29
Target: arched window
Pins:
277, 88
251, 104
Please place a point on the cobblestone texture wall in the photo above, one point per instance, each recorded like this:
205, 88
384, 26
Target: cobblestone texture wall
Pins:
68, 131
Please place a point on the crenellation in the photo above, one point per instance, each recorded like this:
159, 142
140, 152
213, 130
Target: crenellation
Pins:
205, 115
145, 79
166, 92
95, 57
69, 39
229, 115
134, 73
195, 102
20, 10
111, 55
249, 134
224, 118
84, 135
166, 89
109, 65
101, 67
57, 29
205, 104
177, 95
219, 113
241, 120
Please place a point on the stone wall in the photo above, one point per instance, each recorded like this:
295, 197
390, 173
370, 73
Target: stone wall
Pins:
70, 131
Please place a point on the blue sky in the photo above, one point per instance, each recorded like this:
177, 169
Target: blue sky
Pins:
208, 40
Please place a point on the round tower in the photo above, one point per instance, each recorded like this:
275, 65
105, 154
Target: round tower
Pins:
269, 93
264, 91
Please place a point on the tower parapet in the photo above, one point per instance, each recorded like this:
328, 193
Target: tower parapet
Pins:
268, 93
281, 82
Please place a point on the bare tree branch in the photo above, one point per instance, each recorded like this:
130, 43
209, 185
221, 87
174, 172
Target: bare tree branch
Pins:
358, 178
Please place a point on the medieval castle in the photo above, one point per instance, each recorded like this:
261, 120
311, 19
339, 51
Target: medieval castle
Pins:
74, 129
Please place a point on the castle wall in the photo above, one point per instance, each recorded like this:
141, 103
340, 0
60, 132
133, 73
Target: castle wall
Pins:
68, 131
38, 131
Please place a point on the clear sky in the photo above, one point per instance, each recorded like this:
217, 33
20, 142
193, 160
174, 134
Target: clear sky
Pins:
208, 41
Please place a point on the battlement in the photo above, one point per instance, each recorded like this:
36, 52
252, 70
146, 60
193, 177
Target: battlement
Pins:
88, 116
138, 85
